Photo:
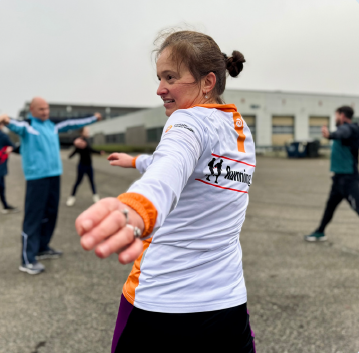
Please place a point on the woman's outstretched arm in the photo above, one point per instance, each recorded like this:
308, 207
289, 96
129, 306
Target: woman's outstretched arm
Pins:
150, 199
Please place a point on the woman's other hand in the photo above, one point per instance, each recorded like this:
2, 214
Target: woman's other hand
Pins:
121, 160
102, 227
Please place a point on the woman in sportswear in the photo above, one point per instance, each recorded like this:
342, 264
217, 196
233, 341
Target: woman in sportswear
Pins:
84, 149
186, 290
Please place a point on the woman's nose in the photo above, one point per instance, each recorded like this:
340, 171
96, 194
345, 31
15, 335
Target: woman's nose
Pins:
162, 90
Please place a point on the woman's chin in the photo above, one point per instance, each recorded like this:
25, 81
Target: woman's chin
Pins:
170, 111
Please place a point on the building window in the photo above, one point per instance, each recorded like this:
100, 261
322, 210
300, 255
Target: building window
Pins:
315, 128
116, 138
283, 130
154, 134
251, 123
315, 131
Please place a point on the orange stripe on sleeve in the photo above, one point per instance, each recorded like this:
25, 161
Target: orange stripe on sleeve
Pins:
144, 207
148, 213
133, 279
238, 126
134, 162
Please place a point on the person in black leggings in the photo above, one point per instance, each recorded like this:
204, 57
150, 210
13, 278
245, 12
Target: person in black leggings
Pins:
84, 149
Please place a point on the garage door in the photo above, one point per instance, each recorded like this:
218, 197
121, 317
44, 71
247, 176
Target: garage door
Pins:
251, 123
282, 130
315, 128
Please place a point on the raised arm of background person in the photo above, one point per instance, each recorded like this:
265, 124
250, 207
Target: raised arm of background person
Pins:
4, 119
343, 132
80, 143
124, 160
74, 124
92, 150
73, 153
173, 162
21, 128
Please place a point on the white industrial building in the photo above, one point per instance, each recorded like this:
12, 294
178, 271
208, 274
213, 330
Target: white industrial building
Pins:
273, 117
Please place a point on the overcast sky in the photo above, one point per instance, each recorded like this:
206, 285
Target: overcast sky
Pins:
99, 51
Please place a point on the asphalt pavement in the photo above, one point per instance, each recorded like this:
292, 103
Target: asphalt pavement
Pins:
302, 297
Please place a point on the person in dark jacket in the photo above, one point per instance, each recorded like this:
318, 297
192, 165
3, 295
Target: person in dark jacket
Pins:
6, 147
344, 165
84, 149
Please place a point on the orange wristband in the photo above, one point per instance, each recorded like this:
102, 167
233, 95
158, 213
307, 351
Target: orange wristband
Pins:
134, 162
144, 207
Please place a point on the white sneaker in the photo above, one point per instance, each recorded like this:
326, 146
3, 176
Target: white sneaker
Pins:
32, 269
71, 201
95, 198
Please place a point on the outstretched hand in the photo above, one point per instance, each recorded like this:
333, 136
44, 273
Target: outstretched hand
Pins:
121, 160
102, 227
98, 116
4, 119
80, 143
325, 131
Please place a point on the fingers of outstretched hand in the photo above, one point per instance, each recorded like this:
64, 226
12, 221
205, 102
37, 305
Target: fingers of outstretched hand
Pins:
95, 214
114, 156
131, 253
108, 227
117, 163
117, 243
4, 118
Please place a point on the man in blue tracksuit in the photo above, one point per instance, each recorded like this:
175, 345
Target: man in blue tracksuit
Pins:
344, 165
41, 162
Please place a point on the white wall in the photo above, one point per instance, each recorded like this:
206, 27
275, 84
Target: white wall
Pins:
265, 104
154, 117
262, 104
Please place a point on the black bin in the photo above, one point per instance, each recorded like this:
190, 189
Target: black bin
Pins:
303, 149
313, 149
296, 149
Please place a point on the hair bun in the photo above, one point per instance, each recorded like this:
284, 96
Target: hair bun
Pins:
234, 64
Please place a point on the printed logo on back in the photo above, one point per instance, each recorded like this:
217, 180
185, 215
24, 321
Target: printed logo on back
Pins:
239, 122
235, 175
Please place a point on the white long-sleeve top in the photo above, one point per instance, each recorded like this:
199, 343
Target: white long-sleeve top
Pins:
198, 180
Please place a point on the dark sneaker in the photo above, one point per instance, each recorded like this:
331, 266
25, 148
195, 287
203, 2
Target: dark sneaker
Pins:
316, 236
10, 209
49, 254
32, 269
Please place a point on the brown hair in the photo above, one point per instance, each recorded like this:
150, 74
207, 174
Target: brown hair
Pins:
201, 54
347, 111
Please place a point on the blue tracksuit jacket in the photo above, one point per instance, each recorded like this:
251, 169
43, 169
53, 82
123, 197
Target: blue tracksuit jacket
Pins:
40, 146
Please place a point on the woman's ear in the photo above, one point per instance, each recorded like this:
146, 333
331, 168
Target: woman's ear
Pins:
209, 82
